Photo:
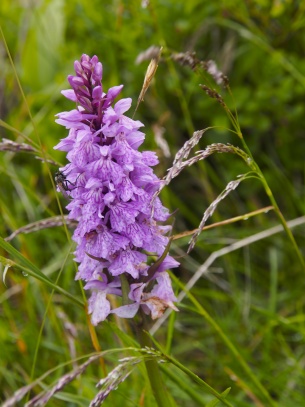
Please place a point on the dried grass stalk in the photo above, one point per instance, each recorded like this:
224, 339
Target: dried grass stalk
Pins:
12, 146
232, 185
150, 73
181, 155
9, 145
179, 164
160, 140
42, 398
121, 372
52, 222
114, 378
190, 59
150, 53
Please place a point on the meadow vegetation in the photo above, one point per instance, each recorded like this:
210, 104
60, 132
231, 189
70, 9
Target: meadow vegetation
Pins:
239, 336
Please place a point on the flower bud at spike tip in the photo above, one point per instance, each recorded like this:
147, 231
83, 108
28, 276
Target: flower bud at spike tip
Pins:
98, 72
97, 92
111, 185
77, 81
78, 68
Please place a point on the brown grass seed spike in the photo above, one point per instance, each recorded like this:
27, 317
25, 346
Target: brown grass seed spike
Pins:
150, 73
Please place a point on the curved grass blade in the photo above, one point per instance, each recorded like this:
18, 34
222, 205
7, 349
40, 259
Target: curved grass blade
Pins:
234, 350
29, 268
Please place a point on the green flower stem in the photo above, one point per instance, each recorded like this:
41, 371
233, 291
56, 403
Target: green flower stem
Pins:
125, 290
254, 166
152, 367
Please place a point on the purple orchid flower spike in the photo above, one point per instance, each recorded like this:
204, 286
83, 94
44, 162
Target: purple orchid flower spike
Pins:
111, 187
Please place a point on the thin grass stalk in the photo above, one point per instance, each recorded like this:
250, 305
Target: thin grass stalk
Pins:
273, 202
39, 338
255, 167
229, 344
185, 386
194, 377
198, 380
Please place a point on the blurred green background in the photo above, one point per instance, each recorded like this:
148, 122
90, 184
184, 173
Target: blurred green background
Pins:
256, 294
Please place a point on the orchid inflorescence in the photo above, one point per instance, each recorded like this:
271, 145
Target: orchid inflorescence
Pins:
112, 191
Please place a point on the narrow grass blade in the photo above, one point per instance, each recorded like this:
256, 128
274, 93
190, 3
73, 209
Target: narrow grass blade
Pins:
29, 268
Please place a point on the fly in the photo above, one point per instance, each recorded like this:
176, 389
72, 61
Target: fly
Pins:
62, 183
